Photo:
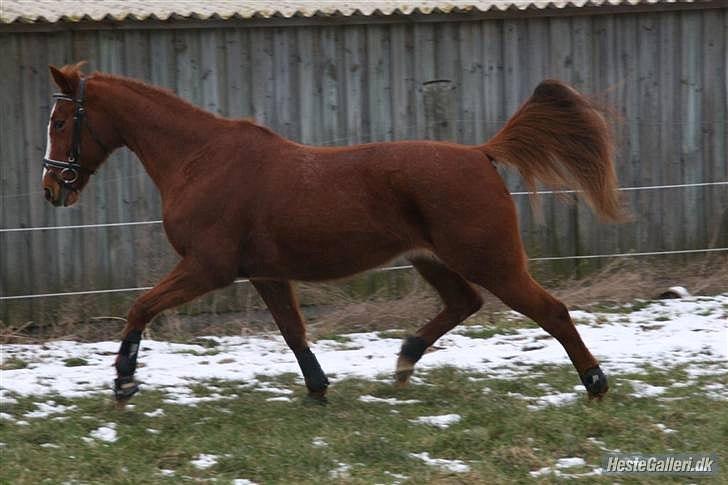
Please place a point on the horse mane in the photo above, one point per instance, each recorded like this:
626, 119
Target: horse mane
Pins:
160, 94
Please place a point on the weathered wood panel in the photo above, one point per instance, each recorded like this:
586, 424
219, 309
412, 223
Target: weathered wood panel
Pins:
664, 73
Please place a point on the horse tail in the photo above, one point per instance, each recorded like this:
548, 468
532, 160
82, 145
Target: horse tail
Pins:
563, 139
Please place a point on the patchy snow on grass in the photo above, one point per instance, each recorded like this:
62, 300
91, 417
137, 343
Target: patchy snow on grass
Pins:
340, 472
455, 466
442, 421
319, 442
694, 337
642, 389
559, 399
105, 433
389, 400
204, 461
570, 462
565, 463
45, 409
665, 429
153, 414
242, 481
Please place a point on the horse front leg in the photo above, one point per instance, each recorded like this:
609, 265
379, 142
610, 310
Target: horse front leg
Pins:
283, 305
188, 280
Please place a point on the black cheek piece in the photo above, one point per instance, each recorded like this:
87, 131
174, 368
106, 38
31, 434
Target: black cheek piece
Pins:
71, 169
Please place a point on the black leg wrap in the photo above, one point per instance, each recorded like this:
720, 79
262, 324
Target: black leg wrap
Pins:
412, 348
124, 388
126, 362
315, 378
595, 381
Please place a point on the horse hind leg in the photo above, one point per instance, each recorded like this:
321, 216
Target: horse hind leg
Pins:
461, 300
519, 291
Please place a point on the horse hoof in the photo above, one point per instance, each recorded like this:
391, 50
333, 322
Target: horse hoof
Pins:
595, 382
404, 371
317, 397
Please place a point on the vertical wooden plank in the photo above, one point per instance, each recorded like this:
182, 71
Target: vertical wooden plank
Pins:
691, 115
669, 127
649, 233
263, 82
715, 113
493, 77
424, 35
329, 86
378, 83
286, 66
447, 67
628, 95
210, 72
355, 69
238, 67
470, 99
402, 85
307, 108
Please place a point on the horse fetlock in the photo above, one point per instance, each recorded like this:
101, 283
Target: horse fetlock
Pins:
595, 382
125, 388
413, 347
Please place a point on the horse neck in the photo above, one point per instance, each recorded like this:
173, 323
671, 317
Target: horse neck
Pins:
161, 129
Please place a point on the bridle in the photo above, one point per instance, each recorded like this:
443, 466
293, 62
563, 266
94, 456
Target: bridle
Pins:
71, 168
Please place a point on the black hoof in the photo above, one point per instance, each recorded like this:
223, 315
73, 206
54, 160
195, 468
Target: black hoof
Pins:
125, 388
595, 382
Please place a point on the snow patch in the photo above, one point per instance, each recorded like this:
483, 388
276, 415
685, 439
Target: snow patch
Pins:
455, 466
389, 400
694, 338
204, 461
341, 471
442, 421
155, 413
105, 433
319, 442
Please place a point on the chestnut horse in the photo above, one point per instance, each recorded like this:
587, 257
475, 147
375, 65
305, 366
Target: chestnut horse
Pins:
241, 201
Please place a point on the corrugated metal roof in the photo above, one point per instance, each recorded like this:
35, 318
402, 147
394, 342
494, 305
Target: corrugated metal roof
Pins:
52, 11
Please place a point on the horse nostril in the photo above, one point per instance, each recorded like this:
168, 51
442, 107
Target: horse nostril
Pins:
48, 194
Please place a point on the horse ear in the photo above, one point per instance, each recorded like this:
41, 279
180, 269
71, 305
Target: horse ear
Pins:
67, 77
60, 78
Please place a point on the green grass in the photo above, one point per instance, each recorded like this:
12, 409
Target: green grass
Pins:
271, 441
75, 362
13, 363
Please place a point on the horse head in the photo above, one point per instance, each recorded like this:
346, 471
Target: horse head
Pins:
80, 136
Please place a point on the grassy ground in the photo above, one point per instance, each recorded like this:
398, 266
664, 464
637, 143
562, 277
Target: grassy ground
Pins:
501, 435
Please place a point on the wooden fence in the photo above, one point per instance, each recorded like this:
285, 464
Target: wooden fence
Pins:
663, 72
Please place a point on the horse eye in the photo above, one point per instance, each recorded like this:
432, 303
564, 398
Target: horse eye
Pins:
58, 124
